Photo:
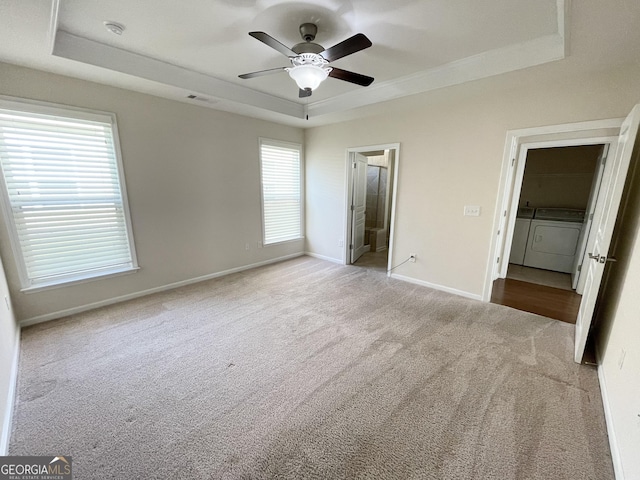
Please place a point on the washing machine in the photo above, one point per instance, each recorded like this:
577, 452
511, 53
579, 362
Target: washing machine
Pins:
520, 235
553, 237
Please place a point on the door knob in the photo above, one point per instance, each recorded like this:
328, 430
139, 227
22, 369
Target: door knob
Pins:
594, 257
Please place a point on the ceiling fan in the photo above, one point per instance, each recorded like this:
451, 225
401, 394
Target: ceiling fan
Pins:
309, 61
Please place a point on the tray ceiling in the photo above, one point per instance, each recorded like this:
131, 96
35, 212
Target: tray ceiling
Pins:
174, 49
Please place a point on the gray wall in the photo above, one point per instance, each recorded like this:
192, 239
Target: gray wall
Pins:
193, 182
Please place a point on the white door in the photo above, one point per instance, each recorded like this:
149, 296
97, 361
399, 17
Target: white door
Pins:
604, 219
359, 207
576, 283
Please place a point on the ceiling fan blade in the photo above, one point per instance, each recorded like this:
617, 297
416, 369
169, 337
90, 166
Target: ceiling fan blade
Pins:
262, 72
352, 77
351, 45
304, 93
273, 43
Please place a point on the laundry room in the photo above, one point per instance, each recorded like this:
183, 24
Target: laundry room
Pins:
559, 189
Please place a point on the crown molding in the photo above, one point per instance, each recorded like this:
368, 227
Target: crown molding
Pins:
230, 96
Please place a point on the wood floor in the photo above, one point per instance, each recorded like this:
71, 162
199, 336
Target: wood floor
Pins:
546, 301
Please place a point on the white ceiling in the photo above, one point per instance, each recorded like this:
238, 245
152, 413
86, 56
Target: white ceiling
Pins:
173, 49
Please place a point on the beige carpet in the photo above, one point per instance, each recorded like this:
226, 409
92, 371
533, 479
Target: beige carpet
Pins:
310, 370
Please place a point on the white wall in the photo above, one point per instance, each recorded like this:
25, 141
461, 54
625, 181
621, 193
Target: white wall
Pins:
8, 360
452, 143
193, 183
618, 331
622, 383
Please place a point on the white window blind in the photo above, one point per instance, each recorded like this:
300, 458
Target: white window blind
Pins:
62, 189
281, 191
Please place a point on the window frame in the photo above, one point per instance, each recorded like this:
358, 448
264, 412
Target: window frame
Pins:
75, 113
294, 146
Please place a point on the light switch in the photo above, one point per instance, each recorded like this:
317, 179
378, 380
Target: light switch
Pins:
472, 211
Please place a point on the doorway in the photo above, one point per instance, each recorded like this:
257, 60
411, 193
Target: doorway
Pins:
621, 135
557, 199
371, 192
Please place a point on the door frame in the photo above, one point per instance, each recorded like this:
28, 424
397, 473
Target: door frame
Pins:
509, 225
359, 187
346, 254
517, 144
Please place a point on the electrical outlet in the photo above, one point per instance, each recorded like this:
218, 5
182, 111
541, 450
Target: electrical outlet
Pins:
412, 257
340, 242
472, 211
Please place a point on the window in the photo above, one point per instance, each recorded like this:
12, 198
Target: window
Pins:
281, 174
63, 194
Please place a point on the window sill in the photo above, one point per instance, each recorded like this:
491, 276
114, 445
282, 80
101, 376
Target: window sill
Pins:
282, 242
79, 279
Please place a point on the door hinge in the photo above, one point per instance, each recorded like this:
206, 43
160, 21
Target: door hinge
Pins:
351, 247
498, 260
580, 267
353, 207
513, 162
498, 232
504, 214
354, 165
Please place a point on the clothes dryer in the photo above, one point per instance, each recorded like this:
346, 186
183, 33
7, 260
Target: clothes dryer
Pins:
553, 239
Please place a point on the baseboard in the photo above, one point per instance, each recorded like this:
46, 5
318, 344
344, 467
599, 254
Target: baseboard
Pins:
608, 418
131, 296
381, 249
7, 417
322, 257
435, 286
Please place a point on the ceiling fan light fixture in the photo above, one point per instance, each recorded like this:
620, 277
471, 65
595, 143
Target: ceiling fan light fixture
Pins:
309, 61
308, 77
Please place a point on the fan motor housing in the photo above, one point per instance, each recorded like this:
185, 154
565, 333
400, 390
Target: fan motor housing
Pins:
307, 47
308, 33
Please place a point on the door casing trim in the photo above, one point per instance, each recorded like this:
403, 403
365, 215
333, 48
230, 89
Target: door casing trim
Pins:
518, 142
349, 197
